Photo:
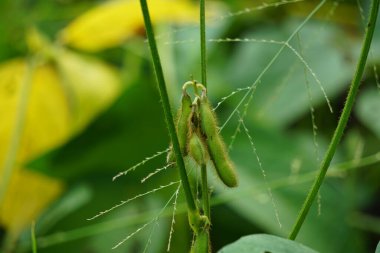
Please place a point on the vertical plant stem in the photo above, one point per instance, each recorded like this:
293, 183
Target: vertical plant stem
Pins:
205, 192
203, 42
10, 159
33, 237
166, 106
342, 121
202, 18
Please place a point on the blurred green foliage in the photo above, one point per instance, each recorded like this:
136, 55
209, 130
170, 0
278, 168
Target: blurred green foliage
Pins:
278, 120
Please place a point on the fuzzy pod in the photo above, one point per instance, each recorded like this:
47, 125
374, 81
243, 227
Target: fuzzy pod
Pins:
197, 149
183, 122
191, 170
215, 144
201, 243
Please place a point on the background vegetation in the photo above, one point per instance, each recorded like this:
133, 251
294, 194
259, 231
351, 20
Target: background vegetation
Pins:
79, 104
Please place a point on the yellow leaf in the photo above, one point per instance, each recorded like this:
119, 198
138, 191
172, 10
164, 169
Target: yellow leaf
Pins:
47, 116
92, 84
28, 194
112, 23
46, 125
64, 96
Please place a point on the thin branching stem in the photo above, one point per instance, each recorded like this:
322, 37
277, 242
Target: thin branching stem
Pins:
166, 106
342, 121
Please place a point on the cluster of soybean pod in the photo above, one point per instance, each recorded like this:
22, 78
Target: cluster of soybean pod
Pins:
200, 141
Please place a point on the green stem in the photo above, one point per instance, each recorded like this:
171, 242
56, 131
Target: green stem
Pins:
33, 237
205, 192
203, 42
166, 106
342, 121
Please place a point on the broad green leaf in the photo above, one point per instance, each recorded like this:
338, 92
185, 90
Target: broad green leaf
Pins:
378, 248
367, 109
262, 243
288, 161
281, 96
112, 23
72, 200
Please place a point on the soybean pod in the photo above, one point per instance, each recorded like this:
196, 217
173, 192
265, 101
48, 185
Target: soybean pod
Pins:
196, 147
215, 144
183, 122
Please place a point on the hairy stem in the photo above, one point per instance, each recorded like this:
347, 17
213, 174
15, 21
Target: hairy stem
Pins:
342, 121
166, 106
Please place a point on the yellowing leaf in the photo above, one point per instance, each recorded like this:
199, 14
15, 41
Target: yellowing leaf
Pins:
93, 85
47, 115
64, 98
46, 125
113, 22
11, 75
28, 194
66, 93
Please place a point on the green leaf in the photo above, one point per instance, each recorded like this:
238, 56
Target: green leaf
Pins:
367, 110
281, 96
262, 243
378, 248
288, 162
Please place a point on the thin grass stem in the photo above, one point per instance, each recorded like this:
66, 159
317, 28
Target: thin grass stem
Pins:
166, 105
342, 121
203, 42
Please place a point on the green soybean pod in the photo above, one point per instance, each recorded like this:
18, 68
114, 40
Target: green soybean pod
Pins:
183, 122
196, 149
215, 144
191, 169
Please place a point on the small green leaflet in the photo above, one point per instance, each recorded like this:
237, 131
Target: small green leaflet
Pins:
263, 243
